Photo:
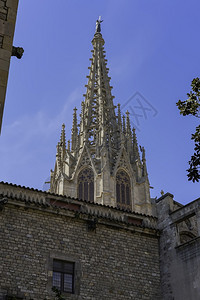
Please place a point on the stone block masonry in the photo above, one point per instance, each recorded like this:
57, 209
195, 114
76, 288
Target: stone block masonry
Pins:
117, 260
179, 248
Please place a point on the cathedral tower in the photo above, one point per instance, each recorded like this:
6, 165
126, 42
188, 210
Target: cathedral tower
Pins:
101, 163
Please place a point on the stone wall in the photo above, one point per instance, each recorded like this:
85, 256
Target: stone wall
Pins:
117, 260
8, 13
179, 249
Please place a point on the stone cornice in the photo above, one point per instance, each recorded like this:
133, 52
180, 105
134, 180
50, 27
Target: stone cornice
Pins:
34, 199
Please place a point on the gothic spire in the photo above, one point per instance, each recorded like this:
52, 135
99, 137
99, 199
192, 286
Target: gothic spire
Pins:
98, 123
103, 145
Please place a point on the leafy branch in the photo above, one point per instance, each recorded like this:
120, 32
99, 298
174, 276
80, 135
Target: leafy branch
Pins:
58, 293
191, 106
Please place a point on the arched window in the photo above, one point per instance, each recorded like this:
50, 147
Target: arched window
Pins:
86, 185
123, 190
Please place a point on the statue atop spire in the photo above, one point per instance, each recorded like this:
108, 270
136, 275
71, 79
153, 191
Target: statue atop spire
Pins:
98, 25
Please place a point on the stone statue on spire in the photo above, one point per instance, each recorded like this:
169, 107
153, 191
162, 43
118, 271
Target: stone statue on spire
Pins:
98, 24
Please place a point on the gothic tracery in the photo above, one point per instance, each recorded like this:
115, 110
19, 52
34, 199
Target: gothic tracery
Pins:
123, 189
86, 185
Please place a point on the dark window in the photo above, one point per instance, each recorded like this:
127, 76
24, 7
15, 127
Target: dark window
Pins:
91, 193
123, 190
127, 195
86, 185
118, 192
63, 276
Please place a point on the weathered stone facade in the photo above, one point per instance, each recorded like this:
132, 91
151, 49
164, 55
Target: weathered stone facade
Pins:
8, 13
119, 259
179, 248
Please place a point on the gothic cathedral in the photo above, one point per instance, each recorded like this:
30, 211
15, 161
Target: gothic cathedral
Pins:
102, 162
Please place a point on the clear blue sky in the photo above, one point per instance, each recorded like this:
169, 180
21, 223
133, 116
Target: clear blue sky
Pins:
152, 47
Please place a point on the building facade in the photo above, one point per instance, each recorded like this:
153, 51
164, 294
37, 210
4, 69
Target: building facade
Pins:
114, 253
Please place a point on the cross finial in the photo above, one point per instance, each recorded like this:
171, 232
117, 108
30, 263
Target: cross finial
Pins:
98, 24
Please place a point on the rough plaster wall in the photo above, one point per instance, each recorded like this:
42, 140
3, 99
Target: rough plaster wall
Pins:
115, 264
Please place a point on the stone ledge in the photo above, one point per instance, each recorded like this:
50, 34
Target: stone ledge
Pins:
117, 223
8, 188
197, 239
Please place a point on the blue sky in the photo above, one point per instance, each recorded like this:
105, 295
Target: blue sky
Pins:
152, 47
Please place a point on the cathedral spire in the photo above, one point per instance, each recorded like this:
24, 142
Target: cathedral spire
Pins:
98, 123
103, 163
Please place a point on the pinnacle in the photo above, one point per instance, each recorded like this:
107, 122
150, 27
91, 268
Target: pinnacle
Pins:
62, 137
124, 124
128, 125
119, 116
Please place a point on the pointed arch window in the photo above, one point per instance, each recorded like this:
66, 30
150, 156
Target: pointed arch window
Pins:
86, 185
123, 190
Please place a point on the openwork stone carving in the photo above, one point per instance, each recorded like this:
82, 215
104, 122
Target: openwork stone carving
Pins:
123, 190
86, 185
